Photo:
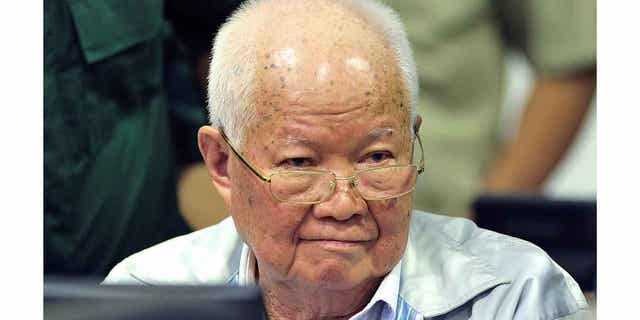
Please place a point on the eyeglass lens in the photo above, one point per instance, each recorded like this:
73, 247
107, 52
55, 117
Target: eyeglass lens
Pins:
315, 187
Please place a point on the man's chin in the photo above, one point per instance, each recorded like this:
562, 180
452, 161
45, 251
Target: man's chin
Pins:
334, 275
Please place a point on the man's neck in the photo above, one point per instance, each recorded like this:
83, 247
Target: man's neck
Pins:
283, 301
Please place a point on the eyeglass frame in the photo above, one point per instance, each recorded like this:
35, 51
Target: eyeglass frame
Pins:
352, 179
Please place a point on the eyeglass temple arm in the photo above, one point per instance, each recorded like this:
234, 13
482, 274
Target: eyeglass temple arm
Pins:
421, 164
242, 159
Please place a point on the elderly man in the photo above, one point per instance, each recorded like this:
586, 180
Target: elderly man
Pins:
314, 148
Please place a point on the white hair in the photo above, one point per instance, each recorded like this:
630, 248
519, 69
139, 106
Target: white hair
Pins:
233, 65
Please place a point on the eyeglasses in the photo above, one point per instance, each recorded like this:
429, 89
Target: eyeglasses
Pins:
306, 187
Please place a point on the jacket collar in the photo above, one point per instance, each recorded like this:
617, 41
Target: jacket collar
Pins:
439, 276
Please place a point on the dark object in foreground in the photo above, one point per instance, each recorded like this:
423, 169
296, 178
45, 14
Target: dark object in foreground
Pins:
565, 229
79, 299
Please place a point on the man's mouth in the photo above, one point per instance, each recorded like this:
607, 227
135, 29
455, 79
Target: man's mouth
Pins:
336, 239
331, 243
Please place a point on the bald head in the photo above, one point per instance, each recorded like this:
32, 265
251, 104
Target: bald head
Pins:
275, 51
316, 25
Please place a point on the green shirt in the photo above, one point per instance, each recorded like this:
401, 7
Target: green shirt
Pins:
459, 47
111, 140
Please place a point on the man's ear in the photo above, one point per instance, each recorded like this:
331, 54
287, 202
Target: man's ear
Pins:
215, 153
417, 124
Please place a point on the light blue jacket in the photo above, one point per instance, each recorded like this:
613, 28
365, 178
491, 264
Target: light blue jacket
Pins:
451, 269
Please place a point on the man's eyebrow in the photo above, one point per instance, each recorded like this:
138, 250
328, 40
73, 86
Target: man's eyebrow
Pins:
377, 133
294, 139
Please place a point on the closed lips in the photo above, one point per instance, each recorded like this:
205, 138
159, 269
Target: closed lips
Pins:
337, 239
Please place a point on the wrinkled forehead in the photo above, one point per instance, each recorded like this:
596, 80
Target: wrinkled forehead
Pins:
304, 70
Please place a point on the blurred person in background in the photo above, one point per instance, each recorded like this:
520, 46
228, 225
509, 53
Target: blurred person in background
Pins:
121, 112
460, 49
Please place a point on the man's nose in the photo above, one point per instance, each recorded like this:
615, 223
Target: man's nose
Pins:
343, 204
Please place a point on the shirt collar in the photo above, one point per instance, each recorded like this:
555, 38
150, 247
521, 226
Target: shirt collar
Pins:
247, 267
387, 291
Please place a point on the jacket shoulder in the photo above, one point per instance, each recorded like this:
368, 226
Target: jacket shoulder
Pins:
210, 255
534, 280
